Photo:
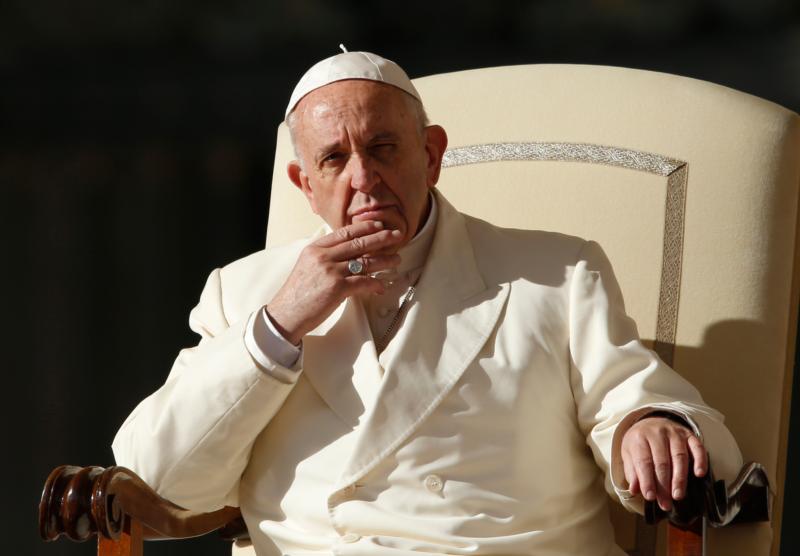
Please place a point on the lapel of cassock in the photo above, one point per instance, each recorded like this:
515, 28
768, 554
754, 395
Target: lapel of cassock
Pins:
448, 323
339, 354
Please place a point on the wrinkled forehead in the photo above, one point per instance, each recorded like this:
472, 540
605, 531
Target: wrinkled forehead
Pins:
355, 103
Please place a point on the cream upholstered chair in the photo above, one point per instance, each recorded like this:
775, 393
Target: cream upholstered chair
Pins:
692, 190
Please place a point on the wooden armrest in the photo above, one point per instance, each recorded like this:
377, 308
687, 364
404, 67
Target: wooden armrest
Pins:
81, 502
747, 499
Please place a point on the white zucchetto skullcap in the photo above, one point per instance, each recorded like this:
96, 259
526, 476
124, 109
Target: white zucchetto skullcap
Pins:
351, 65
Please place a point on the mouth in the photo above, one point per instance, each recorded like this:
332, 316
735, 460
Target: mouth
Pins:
377, 212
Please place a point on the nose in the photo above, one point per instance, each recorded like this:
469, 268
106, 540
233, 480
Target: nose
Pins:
363, 176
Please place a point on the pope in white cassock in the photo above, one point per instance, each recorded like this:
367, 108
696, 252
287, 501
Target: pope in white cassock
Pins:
412, 380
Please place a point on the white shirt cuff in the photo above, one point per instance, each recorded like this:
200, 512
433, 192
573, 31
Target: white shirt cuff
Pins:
276, 355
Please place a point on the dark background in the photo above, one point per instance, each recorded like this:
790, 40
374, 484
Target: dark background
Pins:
136, 150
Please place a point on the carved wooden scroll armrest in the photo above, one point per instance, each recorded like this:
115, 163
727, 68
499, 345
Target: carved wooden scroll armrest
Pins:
81, 502
747, 499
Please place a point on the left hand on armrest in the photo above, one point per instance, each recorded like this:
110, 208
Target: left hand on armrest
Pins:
655, 456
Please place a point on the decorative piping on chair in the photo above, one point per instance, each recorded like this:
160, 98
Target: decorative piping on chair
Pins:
568, 152
676, 172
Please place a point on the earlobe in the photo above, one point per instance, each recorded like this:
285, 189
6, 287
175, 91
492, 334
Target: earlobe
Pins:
435, 145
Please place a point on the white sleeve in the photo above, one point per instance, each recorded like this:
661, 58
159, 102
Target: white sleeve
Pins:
616, 380
191, 439
275, 354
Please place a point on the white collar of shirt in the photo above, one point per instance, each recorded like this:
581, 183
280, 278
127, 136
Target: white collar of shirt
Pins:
414, 254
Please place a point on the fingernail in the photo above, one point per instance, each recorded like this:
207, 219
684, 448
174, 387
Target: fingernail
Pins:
677, 494
378, 224
650, 494
396, 233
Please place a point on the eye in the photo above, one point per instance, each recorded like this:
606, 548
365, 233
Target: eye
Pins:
331, 157
383, 148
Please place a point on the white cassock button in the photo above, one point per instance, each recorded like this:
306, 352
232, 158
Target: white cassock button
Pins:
434, 483
384, 312
350, 537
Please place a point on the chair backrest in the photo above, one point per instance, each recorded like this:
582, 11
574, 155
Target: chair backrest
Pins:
690, 187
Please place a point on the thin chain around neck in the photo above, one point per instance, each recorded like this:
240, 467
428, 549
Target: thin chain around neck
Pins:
383, 341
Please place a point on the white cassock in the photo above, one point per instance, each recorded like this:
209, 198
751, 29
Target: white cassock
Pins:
489, 425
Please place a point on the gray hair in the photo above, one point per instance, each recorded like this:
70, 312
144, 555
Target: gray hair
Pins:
414, 104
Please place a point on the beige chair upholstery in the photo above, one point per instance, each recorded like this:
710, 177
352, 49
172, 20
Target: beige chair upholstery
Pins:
690, 187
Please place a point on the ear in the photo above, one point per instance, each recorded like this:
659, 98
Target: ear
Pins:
435, 145
300, 180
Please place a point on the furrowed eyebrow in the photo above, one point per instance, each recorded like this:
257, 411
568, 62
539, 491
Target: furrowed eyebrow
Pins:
337, 145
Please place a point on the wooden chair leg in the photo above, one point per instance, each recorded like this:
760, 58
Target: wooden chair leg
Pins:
685, 542
130, 542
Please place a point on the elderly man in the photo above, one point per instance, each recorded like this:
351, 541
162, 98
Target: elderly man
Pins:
410, 379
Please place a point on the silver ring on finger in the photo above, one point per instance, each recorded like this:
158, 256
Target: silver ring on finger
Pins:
355, 266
